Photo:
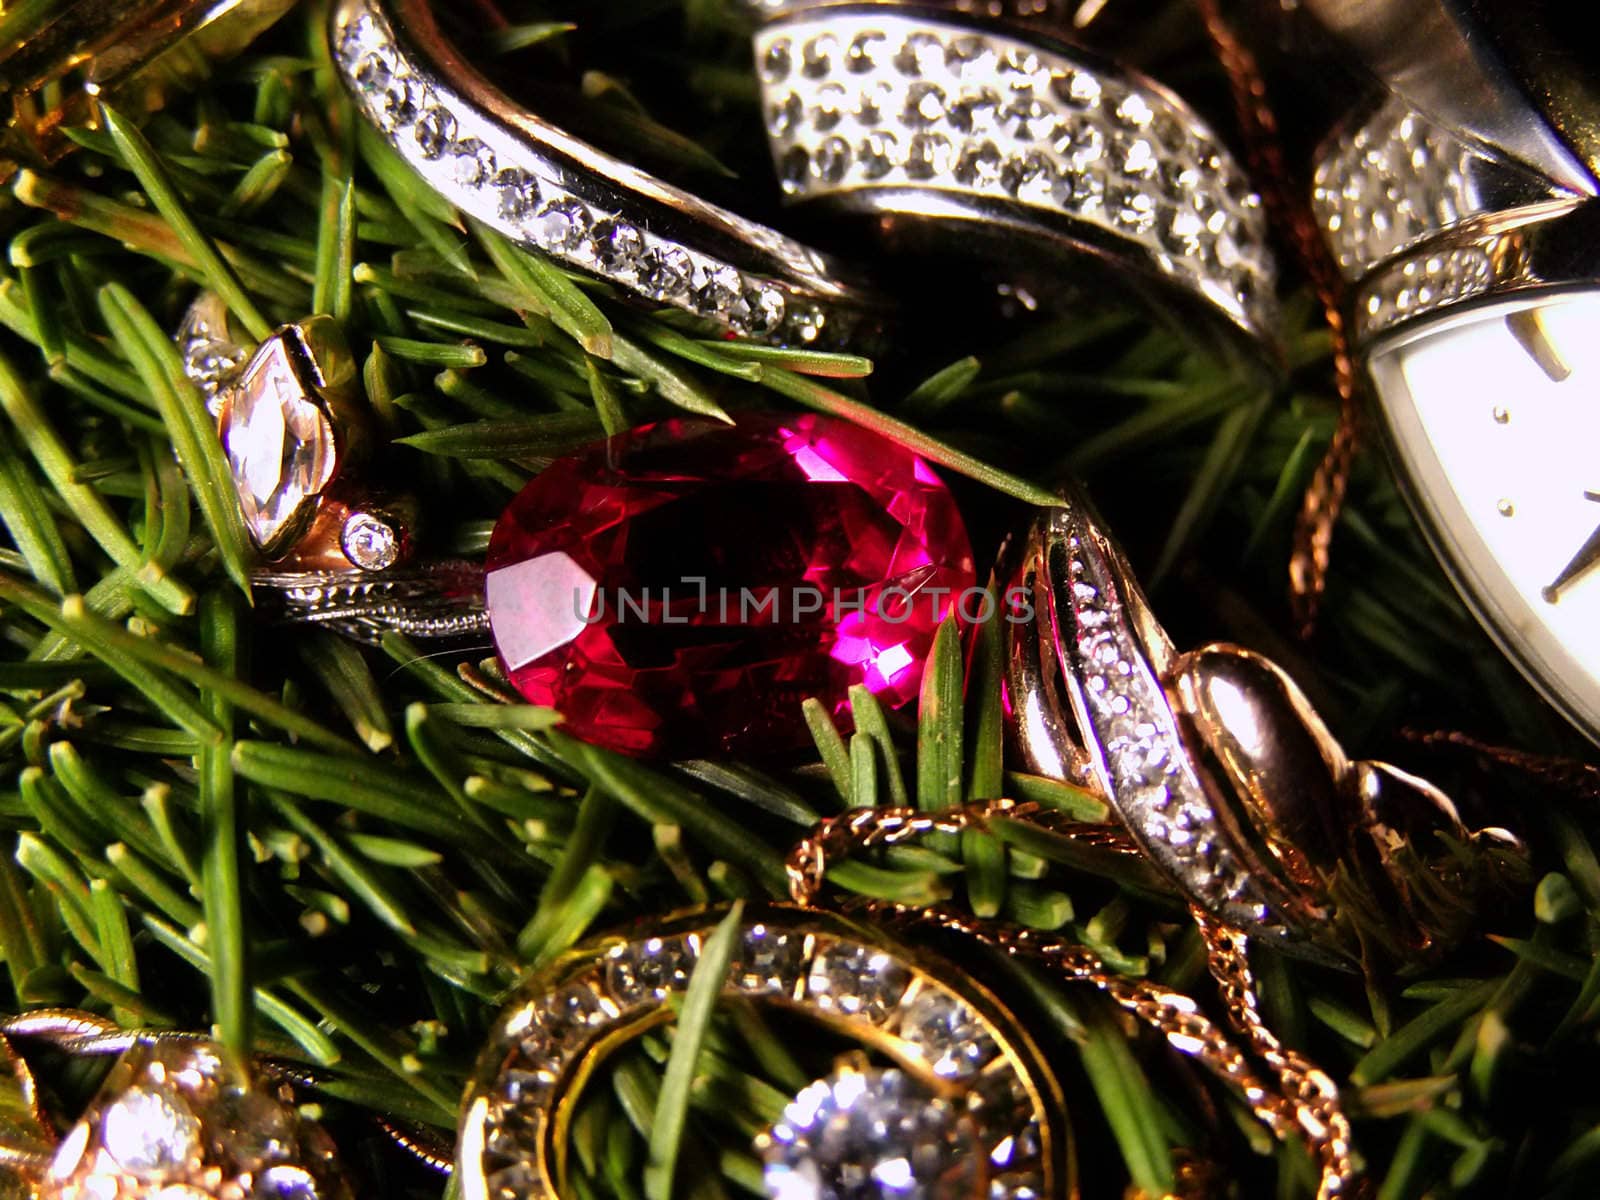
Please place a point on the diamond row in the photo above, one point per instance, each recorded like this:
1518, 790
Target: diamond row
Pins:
823, 973
1423, 283
1150, 775
857, 100
1392, 182
484, 170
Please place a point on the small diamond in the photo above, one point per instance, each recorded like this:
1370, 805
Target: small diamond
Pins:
828, 111
648, 970
1031, 119
570, 1013
1077, 88
832, 160
400, 102
1135, 110
665, 271
869, 110
718, 291
769, 961
863, 53
618, 246
760, 310
931, 155
149, 1131
878, 154
975, 111
370, 541
776, 62
1084, 147
920, 54
924, 105
949, 1034
1030, 178
563, 226
519, 193
857, 981
373, 72
979, 166
817, 58
474, 162
1134, 210
286, 1183
787, 115
972, 58
794, 169
1138, 157
436, 129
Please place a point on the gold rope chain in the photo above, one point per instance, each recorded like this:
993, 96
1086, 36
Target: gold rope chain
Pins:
1305, 1102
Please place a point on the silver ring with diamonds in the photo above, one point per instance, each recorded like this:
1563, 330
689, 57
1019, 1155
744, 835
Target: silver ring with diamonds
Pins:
540, 186
1059, 166
1420, 219
968, 1105
1220, 769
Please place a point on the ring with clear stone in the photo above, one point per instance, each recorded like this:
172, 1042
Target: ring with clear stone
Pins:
1060, 170
1223, 774
964, 1094
173, 1118
538, 185
294, 428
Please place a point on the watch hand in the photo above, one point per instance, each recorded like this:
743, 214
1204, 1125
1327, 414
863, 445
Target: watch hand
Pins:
1529, 329
1587, 556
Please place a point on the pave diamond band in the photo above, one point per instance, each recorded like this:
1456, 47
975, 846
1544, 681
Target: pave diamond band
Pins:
934, 117
543, 188
968, 1091
1404, 204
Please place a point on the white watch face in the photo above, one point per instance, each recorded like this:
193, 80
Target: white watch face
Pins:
1495, 418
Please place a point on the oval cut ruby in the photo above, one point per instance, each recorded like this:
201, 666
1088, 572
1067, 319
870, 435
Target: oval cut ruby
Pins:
681, 588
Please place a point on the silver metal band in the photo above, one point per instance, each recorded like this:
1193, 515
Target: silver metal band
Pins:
928, 118
440, 600
538, 185
1419, 218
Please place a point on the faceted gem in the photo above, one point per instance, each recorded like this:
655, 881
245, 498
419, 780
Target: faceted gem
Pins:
868, 1135
279, 441
682, 588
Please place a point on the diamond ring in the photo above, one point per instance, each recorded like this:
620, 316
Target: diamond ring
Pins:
964, 1103
1061, 169
1220, 769
538, 185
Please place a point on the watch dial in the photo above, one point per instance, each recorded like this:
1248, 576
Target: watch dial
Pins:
1494, 416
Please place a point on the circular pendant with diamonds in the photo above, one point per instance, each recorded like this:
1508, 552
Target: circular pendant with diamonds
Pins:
958, 1101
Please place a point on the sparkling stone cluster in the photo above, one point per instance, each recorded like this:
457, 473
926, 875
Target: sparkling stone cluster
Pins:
1146, 762
880, 100
1393, 181
485, 170
1422, 283
816, 972
169, 1125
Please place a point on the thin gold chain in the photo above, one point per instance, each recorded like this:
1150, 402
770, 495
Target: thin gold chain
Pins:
1305, 1103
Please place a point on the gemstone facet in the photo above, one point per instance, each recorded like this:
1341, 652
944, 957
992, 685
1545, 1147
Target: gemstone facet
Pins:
683, 587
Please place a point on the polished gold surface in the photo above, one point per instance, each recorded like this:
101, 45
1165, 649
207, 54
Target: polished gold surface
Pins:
57, 60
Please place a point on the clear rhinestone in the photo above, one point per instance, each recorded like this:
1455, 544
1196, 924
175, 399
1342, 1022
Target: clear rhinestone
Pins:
150, 1132
285, 1183
648, 970
868, 1135
949, 1034
436, 129
777, 61
718, 291
1029, 177
372, 72
972, 58
569, 1014
930, 156
816, 60
869, 108
474, 162
1080, 89
857, 981
863, 53
279, 442
760, 310
979, 166
1133, 209
562, 226
519, 194
618, 246
794, 169
832, 160
400, 102
770, 961
370, 541
879, 153
665, 271
1180, 230
919, 55
787, 115
924, 105
1083, 146
1135, 111
1138, 156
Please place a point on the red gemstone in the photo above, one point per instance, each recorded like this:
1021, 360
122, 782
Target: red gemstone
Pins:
681, 588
